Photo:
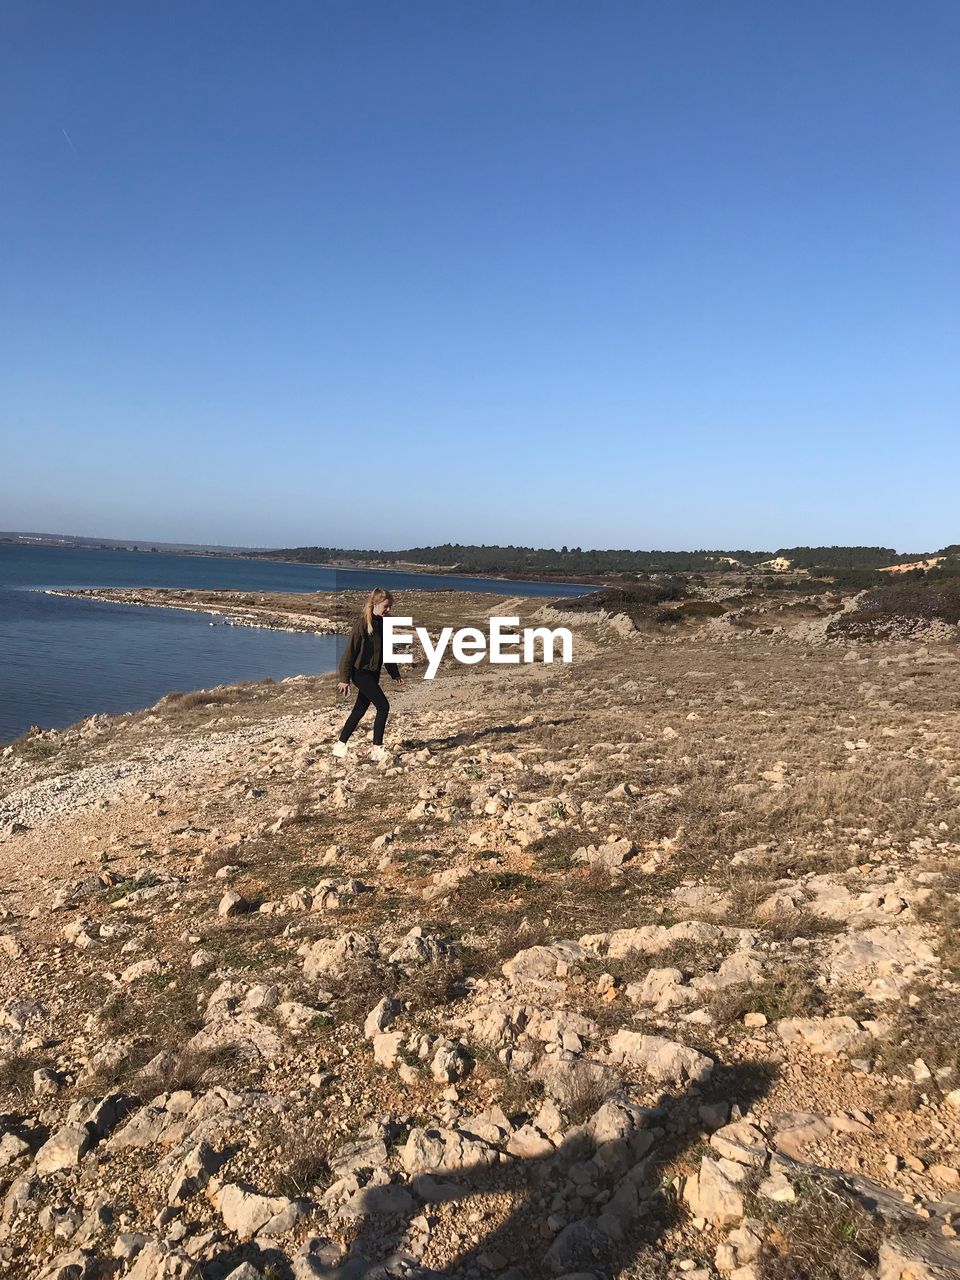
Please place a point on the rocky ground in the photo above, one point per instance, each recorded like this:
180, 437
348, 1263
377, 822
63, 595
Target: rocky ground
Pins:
645, 966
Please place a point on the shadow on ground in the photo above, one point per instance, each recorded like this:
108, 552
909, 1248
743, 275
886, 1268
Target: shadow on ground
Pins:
465, 739
612, 1170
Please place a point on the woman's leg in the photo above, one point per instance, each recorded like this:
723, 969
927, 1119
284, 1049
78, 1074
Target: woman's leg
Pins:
356, 715
369, 686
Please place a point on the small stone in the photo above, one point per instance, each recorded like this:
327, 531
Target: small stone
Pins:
11, 1149
231, 904
46, 1083
450, 1063
380, 1017
777, 1187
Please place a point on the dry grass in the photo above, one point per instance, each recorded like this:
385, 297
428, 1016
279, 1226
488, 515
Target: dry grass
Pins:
784, 992
299, 1157
942, 909
159, 1014
511, 933
926, 1030
422, 989
784, 926
305, 1166
191, 1069
584, 1095
691, 958
822, 1235
883, 794
220, 696
555, 852
16, 1074
518, 1095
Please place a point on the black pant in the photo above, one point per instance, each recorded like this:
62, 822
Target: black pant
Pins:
368, 684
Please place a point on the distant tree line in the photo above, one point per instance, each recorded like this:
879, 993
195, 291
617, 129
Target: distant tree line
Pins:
845, 557
567, 561
856, 566
950, 566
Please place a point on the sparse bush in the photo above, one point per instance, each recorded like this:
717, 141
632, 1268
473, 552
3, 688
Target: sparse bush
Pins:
784, 926
585, 1092
784, 992
304, 1159
702, 609
925, 1029
198, 698
688, 956
16, 1074
510, 880
424, 988
554, 852
432, 986
949, 568
629, 598
930, 601
822, 1235
669, 614
505, 938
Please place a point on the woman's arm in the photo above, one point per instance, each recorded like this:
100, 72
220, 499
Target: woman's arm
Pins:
351, 653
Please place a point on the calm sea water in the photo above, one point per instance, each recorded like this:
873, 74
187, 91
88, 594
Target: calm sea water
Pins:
63, 659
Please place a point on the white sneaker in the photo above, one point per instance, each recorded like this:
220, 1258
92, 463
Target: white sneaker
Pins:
378, 753
339, 749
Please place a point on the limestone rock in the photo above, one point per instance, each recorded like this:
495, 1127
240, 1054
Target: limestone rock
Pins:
340, 957
247, 1213
829, 1036
663, 1060
380, 1017
904, 1260
417, 948
11, 1149
378, 1202
450, 1064
231, 904
159, 1261
445, 1151
777, 1187
543, 963
741, 1142
711, 1195
576, 1247
64, 1149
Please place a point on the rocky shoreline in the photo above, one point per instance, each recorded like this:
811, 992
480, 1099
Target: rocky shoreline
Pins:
641, 967
232, 608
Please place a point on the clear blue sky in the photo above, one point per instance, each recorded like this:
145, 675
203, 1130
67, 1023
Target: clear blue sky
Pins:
672, 274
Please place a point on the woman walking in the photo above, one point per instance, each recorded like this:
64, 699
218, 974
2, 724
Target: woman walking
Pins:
361, 663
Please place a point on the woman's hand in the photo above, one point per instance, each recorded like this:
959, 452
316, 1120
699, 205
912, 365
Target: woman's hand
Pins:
399, 681
343, 687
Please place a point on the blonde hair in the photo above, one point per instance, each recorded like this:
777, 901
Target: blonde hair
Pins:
374, 598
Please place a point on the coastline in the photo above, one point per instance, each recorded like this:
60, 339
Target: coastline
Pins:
323, 614
231, 613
